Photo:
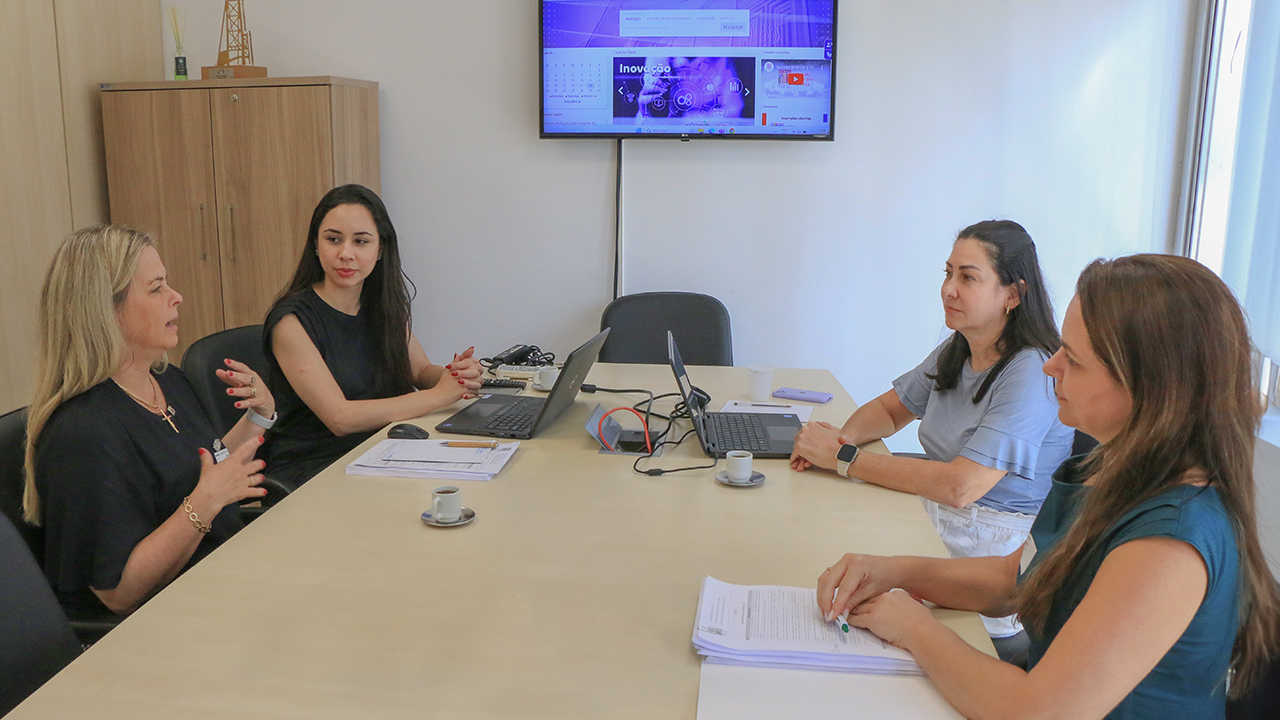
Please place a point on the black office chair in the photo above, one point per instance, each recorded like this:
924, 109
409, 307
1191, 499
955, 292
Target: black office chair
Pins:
206, 355
1082, 444
199, 363
1263, 701
640, 323
13, 443
36, 641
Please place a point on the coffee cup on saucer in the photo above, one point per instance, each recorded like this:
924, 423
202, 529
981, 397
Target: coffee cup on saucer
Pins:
446, 504
546, 377
738, 466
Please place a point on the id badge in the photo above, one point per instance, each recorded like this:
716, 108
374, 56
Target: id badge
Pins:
220, 452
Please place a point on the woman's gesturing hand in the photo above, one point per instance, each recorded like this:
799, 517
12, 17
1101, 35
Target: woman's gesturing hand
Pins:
248, 387
230, 481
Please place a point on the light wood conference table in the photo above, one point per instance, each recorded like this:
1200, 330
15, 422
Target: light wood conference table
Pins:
571, 595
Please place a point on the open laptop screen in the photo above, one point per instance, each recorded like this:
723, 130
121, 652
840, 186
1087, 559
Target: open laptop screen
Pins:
686, 389
575, 370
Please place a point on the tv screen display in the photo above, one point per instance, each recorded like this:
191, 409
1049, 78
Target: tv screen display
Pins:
688, 68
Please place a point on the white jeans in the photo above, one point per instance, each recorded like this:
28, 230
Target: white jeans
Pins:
974, 531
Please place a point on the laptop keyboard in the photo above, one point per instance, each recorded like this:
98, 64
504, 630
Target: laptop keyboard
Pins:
738, 431
518, 416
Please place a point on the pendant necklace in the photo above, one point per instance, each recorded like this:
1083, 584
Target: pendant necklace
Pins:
167, 417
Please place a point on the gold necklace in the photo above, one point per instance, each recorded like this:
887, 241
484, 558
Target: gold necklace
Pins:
154, 408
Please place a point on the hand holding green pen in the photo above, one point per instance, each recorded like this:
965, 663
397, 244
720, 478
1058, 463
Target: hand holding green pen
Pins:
841, 622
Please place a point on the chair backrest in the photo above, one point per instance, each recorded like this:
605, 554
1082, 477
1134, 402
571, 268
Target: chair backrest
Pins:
206, 355
1082, 444
36, 641
1262, 701
13, 449
700, 324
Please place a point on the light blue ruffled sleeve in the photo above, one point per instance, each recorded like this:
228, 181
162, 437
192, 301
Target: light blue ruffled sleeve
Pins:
1022, 412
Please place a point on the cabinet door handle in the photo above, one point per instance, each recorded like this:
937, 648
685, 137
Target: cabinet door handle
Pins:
204, 236
232, 244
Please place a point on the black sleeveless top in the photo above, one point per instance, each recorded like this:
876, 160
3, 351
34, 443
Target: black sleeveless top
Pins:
300, 445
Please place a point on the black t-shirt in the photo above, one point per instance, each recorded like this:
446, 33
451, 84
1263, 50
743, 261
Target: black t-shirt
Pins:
300, 445
109, 472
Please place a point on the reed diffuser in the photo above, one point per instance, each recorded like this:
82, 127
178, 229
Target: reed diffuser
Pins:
179, 53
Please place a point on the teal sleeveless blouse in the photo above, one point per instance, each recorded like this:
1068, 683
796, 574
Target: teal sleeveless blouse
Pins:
1190, 680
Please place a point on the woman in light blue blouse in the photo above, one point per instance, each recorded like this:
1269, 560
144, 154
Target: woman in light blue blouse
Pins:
1148, 583
988, 418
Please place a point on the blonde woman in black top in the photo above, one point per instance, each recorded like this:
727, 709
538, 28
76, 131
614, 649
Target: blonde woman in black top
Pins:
120, 461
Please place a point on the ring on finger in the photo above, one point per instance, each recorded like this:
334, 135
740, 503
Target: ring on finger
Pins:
253, 391
252, 379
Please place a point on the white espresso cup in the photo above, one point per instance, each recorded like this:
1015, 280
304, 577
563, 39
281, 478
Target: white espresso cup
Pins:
446, 504
761, 382
547, 376
739, 466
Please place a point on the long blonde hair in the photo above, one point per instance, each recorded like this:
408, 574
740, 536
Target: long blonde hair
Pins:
1172, 334
80, 342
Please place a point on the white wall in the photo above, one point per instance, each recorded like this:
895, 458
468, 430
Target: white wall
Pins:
1061, 114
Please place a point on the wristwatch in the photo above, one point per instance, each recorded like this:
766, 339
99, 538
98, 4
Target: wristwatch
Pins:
845, 458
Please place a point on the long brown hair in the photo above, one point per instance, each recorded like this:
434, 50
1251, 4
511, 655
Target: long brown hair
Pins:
80, 343
1174, 337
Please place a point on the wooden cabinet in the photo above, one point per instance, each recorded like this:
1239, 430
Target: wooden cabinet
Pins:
226, 173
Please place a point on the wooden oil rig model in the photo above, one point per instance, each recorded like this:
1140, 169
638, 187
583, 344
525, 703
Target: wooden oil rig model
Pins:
235, 47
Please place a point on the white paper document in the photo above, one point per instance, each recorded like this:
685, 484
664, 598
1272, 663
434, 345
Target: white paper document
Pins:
772, 626
432, 459
748, 693
746, 406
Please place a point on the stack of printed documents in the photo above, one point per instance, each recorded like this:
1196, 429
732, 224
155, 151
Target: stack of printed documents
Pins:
771, 626
434, 459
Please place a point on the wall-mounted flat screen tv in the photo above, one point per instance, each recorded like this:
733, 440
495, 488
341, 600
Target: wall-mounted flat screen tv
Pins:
686, 69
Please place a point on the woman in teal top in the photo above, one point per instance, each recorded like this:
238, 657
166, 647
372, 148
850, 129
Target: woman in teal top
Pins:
1181, 684
1148, 582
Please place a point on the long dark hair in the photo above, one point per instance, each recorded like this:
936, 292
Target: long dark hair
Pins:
385, 297
1182, 352
1030, 324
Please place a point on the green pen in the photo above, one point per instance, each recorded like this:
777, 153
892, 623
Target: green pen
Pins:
844, 624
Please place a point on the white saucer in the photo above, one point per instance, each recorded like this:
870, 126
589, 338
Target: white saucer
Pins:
467, 516
757, 479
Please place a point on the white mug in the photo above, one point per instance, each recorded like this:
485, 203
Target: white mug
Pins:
739, 466
761, 382
446, 504
547, 376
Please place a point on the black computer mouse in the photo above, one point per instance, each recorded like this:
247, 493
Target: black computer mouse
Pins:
407, 431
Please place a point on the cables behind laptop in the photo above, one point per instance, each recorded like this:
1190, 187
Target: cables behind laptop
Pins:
679, 411
654, 472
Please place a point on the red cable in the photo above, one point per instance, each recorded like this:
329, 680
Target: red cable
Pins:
648, 444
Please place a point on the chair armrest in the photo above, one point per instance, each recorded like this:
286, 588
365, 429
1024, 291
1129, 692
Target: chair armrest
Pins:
89, 632
277, 490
